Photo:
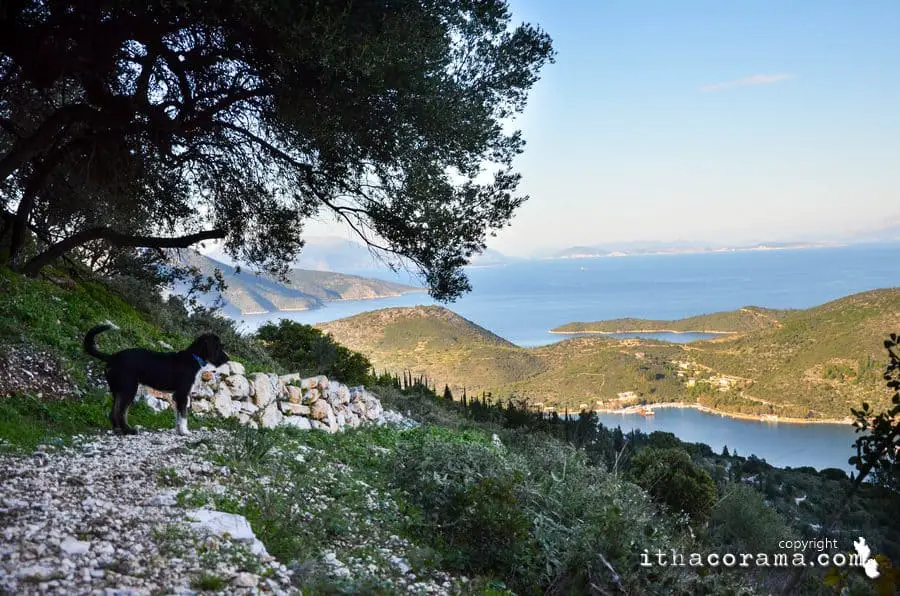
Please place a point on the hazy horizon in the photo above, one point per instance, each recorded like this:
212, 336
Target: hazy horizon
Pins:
701, 121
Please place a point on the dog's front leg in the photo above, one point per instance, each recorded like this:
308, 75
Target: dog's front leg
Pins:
181, 407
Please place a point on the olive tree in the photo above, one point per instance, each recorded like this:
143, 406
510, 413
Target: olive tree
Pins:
163, 123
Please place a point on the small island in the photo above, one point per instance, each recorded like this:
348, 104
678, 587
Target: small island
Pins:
743, 320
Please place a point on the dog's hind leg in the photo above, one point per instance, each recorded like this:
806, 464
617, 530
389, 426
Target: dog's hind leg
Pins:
123, 393
181, 408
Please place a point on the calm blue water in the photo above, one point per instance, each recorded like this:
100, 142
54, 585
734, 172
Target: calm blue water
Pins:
524, 300
780, 444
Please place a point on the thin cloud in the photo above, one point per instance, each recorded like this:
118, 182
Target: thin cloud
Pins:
760, 79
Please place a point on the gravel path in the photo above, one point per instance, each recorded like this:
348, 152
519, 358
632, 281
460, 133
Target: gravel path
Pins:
93, 519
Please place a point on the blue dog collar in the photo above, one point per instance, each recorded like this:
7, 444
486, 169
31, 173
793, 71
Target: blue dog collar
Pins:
199, 360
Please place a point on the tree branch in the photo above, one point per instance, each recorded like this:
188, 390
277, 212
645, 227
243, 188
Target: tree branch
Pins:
42, 138
55, 251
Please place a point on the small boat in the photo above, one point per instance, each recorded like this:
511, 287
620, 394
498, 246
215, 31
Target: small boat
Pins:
645, 411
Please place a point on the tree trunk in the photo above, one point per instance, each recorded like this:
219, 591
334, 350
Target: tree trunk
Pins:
19, 228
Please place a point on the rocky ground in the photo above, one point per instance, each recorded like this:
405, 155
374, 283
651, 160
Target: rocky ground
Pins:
121, 515
24, 369
93, 518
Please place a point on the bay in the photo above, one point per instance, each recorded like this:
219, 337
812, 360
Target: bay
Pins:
523, 300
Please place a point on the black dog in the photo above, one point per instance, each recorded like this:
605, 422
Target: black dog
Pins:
164, 371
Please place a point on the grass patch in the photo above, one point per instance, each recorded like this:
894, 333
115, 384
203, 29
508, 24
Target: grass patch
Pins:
26, 421
209, 582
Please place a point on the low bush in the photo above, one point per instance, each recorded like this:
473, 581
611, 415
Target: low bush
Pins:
305, 349
468, 495
742, 522
672, 478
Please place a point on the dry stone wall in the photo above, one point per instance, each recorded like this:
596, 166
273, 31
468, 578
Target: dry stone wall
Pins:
268, 400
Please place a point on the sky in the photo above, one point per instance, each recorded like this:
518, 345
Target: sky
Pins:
727, 122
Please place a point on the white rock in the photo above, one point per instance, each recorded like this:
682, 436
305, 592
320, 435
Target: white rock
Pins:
201, 406
245, 580
297, 422
289, 378
164, 499
38, 572
294, 394
271, 416
73, 547
238, 385
249, 407
401, 565
338, 569
223, 370
321, 411
358, 408
220, 523
156, 404
264, 391
320, 426
237, 368
246, 420
222, 402
311, 396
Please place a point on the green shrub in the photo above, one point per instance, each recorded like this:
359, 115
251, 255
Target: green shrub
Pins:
742, 522
305, 349
670, 476
467, 495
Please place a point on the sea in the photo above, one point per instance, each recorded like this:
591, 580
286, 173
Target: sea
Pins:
523, 300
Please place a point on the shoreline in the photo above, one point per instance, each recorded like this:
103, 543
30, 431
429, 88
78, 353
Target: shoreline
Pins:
325, 302
632, 410
641, 331
403, 293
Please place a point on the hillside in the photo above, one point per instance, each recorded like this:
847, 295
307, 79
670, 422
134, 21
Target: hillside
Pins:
248, 293
749, 318
824, 358
445, 499
434, 341
812, 364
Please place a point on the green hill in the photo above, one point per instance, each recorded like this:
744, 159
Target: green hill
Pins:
434, 341
822, 359
811, 364
749, 318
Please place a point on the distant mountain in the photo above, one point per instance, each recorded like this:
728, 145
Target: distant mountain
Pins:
322, 253
653, 248
888, 231
491, 258
248, 293
332, 253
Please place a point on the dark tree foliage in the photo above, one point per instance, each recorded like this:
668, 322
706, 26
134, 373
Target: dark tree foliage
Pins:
306, 350
670, 476
165, 123
878, 447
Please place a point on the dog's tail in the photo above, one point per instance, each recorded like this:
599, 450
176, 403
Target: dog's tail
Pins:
89, 346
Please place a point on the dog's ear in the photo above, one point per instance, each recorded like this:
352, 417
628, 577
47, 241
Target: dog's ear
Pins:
214, 352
